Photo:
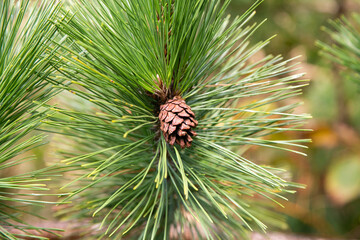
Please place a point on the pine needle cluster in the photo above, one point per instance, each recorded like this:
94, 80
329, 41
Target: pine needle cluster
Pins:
25, 70
345, 47
122, 60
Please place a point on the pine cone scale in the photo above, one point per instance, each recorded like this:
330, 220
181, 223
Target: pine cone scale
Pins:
171, 129
177, 109
170, 107
184, 127
183, 105
166, 127
183, 114
190, 112
169, 117
172, 140
177, 122
162, 115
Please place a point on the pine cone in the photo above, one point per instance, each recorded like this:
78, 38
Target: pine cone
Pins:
177, 121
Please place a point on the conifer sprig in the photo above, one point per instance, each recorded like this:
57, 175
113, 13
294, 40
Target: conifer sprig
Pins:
345, 48
132, 180
25, 69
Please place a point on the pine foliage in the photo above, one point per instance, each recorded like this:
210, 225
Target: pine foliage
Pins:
124, 60
25, 70
345, 46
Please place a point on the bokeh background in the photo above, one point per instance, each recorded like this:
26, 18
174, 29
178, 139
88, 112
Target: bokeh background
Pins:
330, 204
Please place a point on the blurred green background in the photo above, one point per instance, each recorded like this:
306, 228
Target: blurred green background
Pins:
330, 204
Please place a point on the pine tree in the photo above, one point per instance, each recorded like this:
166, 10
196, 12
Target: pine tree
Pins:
132, 62
345, 48
25, 69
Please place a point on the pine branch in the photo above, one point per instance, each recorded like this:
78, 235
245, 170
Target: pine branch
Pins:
126, 59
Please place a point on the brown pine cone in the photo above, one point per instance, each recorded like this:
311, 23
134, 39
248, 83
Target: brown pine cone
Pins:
177, 122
